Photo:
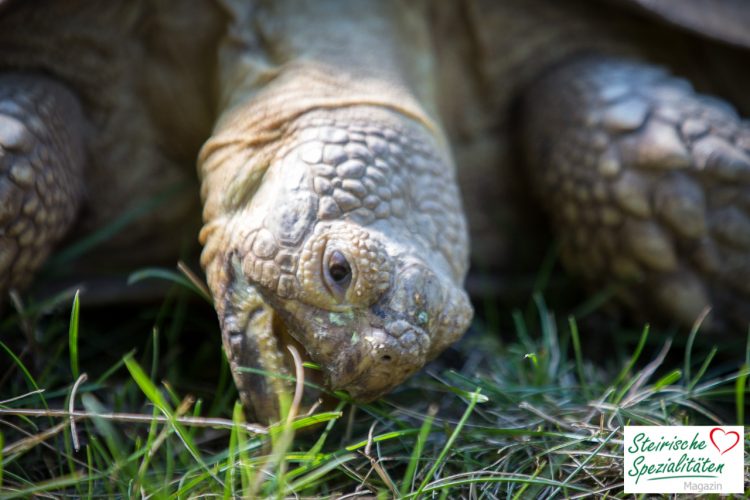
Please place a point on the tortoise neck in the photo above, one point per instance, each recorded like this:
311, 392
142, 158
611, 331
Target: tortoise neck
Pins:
306, 54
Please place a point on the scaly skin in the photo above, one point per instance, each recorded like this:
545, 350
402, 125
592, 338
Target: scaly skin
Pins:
141, 80
41, 160
647, 182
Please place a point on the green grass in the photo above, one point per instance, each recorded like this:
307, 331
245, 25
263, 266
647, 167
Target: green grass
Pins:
532, 410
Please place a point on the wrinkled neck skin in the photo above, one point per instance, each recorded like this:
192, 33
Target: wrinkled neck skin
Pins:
329, 190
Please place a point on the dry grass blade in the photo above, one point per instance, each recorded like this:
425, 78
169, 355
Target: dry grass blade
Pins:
21, 396
280, 447
71, 405
139, 418
525, 405
357, 494
194, 279
31, 441
51, 449
377, 467
299, 385
183, 408
646, 374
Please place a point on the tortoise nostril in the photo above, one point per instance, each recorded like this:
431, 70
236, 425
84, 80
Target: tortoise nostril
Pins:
385, 358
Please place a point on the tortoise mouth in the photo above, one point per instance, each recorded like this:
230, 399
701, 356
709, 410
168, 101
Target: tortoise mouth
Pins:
364, 379
371, 364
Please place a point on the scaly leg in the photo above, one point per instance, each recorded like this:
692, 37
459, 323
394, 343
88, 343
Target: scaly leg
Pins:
648, 183
41, 162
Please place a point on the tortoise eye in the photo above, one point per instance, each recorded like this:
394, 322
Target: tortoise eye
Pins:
338, 269
338, 273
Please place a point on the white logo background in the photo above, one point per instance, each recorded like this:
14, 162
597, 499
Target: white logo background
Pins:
684, 459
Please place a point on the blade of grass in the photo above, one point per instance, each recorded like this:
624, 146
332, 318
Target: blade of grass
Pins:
465, 394
149, 451
89, 478
168, 275
246, 470
27, 375
474, 478
115, 448
523, 333
229, 489
146, 385
154, 352
307, 480
282, 440
634, 357
574, 335
153, 394
195, 280
43, 306
411, 468
309, 421
54, 484
741, 385
197, 410
580, 467
444, 452
526, 485
636, 382
382, 437
315, 450
549, 336
105, 376
104, 461
312, 365
73, 335
703, 368
691, 339
668, 379
151, 438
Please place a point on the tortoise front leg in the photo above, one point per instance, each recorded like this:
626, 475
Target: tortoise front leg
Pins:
41, 162
649, 185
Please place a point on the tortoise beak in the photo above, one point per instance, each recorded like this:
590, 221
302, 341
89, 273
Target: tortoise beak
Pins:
369, 366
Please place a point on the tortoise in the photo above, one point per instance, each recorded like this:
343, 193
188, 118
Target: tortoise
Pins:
327, 134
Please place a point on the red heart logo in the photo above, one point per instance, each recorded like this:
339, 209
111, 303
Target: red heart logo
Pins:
724, 439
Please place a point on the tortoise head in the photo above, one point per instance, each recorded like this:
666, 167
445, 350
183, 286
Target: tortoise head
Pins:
366, 307
354, 237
